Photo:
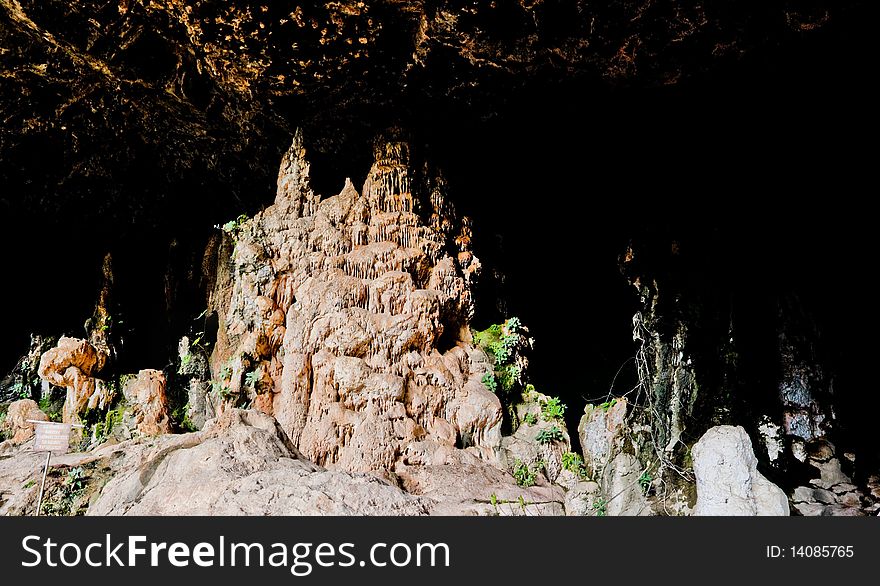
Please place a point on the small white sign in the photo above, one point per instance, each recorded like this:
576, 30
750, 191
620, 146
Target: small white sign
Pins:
52, 437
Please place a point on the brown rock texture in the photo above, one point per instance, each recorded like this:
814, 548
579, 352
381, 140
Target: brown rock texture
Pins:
242, 463
16, 425
149, 406
72, 365
347, 319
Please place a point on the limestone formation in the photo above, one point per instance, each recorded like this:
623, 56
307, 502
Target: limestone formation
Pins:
15, 426
833, 492
73, 364
244, 465
601, 430
523, 444
145, 395
346, 318
728, 481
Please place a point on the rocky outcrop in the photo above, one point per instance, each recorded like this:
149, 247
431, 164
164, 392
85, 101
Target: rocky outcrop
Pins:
609, 452
15, 425
728, 481
832, 492
148, 404
72, 365
347, 319
23, 381
244, 464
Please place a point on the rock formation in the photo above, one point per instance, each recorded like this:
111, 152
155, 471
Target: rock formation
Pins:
244, 464
15, 426
347, 319
72, 365
728, 481
148, 405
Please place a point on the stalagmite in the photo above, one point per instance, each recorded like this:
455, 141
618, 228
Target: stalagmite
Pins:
346, 317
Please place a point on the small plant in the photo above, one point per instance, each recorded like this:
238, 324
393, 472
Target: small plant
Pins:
51, 408
103, 429
484, 338
524, 475
499, 340
601, 507
76, 479
552, 409
226, 371
489, 381
30, 484
608, 405
508, 376
645, 481
253, 379
550, 435
24, 392
233, 227
530, 419
574, 463
500, 351
65, 497
220, 389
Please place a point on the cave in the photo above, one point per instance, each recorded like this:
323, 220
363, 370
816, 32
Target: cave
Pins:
728, 190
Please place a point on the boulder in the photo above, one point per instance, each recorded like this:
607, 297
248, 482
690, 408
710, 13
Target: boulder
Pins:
600, 430
16, 426
621, 489
72, 364
145, 395
728, 481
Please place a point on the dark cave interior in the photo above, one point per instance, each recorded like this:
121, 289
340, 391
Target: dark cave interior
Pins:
755, 171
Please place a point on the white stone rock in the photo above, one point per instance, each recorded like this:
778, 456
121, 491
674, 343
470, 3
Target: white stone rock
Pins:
728, 481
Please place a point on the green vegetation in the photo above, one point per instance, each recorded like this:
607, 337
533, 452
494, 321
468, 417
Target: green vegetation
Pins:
181, 416
524, 475
574, 463
253, 380
233, 227
601, 507
608, 405
198, 346
102, 430
530, 419
221, 389
550, 435
185, 361
645, 481
22, 390
500, 341
552, 409
52, 406
507, 376
29, 484
63, 500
